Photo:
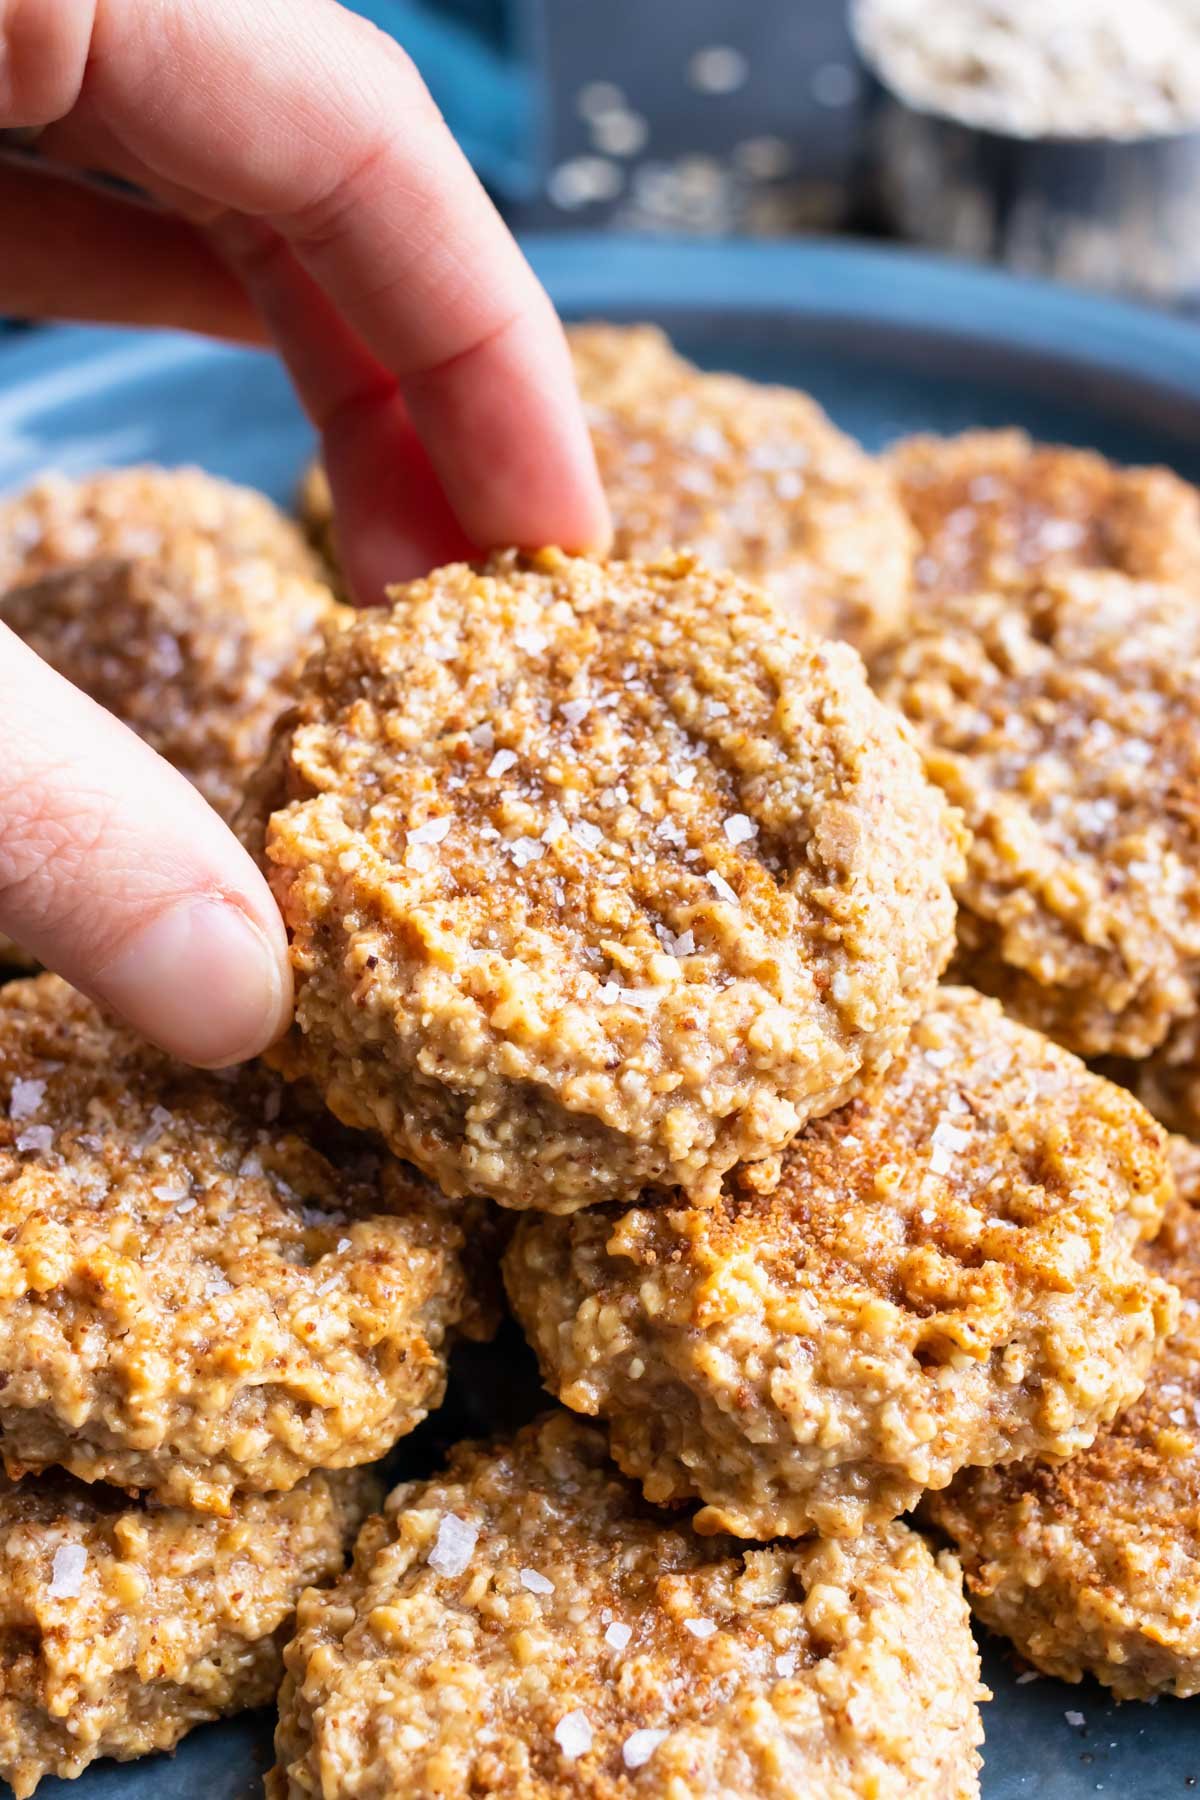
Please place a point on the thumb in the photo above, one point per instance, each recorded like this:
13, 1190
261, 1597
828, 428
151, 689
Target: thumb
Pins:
116, 874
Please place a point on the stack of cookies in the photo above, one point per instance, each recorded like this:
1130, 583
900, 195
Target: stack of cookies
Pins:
759, 1018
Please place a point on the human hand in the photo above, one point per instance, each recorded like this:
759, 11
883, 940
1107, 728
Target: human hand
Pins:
306, 190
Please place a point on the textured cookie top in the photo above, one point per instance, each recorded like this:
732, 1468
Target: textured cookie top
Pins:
60, 522
945, 1275
522, 1624
122, 1625
204, 1284
993, 510
755, 479
194, 651
597, 875
1093, 1565
1066, 725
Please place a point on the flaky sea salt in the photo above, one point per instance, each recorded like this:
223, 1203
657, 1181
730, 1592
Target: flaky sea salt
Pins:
1027, 1677
785, 1665
740, 828
432, 831
617, 1636
35, 1137
342, 1245
575, 711
721, 887
454, 1547
526, 850
529, 639
587, 834
502, 762
66, 1571
573, 1735
1075, 1718
945, 1144
534, 1582
483, 737
27, 1096
640, 1746
700, 1628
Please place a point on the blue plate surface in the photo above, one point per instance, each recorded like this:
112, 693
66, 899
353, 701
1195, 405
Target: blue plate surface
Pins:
890, 343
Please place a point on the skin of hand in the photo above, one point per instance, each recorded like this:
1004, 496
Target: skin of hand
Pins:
300, 187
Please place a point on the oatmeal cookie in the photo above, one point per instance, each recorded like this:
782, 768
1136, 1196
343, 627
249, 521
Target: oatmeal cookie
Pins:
1066, 724
994, 511
596, 875
196, 653
314, 503
123, 1625
755, 479
204, 1285
137, 514
1092, 1566
522, 1624
944, 1276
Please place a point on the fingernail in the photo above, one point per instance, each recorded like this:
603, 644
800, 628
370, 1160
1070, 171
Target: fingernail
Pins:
201, 980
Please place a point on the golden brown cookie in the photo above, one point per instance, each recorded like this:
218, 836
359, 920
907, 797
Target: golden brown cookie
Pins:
523, 1625
755, 479
195, 652
995, 511
123, 1625
596, 875
204, 1283
944, 1276
137, 514
1092, 1566
1065, 723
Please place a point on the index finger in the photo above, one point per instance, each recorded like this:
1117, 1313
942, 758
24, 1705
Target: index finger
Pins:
306, 117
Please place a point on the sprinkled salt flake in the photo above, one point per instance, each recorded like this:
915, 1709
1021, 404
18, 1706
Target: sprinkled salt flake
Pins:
739, 828
534, 1581
342, 1245
785, 1665
432, 831
532, 641
526, 850
700, 1628
556, 825
160, 1118
573, 1734
35, 1137
27, 1096
939, 1059
483, 737
717, 709
1074, 1718
186, 1206
721, 887
575, 711
609, 993
455, 1545
419, 857
683, 945
839, 987
617, 1636
327, 1286
640, 1746
502, 762
1027, 1677
171, 1191
672, 831
66, 1571
442, 649
217, 1286
587, 834
945, 1144
683, 778
250, 1165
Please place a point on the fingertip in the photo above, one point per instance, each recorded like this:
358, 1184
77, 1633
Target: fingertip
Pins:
203, 980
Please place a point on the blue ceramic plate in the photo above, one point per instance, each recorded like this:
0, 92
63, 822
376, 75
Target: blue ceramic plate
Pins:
890, 343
